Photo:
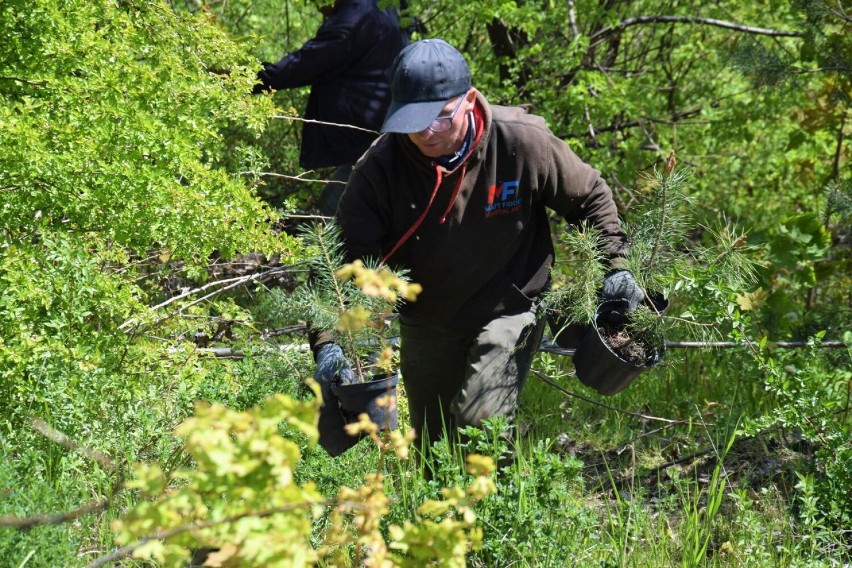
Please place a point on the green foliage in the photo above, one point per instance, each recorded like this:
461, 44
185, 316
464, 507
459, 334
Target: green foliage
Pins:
350, 299
810, 392
125, 131
41, 545
539, 509
701, 278
241, 499
701, 513
115, 127
118, 189
577, 301
240, 496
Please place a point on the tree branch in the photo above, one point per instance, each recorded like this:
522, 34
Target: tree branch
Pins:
60, 438
227, 284
28, 522
618, 126
299, 177
572, 19
732, 344
544, 379
94, 506
597, 37
163, 535
308, 120
24, 81
838, 152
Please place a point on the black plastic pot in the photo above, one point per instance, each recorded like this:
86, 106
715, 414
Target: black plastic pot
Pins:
598, 366
566, 335
357, 398
347, 402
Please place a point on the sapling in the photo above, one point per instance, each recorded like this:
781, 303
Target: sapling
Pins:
667, 261
355, 300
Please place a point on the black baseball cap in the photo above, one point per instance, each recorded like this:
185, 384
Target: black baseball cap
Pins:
425, 75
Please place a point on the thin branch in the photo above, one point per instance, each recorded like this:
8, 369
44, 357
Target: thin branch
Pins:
37, 520
125, 551
309, 217
238, 282
835, 168
207, 286
654, 146
676, 118
746, 343
572, 19
597, 37
543, 378
840, 12
294, 178
841, 68
60, 438
299, 119
298, 328
25, 81
226, 285
588, 118
545, 347
95, 506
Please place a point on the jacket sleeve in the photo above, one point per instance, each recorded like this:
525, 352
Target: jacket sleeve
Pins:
364, 219
321, 58
578, 192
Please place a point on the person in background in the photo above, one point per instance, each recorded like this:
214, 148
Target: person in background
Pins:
456, 192
347, 64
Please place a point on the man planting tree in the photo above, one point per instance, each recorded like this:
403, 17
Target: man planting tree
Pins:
455, 192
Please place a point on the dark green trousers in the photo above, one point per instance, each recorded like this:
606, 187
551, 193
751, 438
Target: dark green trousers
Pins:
454, 380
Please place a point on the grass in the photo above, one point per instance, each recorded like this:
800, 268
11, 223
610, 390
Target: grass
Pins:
657, 476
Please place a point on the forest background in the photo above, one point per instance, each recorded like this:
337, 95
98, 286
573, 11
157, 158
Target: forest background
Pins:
148, 208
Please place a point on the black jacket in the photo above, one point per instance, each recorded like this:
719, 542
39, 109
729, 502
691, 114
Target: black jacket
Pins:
348, 65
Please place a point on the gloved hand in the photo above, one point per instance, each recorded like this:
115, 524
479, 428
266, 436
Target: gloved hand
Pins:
263, 85
620, 285
333, 369
260, 88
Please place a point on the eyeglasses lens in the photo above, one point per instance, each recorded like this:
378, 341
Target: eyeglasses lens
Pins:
444, 123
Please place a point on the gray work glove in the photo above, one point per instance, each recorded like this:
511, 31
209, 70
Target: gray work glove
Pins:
332, 367
620, 285
332, 370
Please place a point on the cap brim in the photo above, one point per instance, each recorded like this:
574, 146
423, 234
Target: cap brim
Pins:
407, 118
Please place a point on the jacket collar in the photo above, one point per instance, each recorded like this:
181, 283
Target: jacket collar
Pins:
483, 114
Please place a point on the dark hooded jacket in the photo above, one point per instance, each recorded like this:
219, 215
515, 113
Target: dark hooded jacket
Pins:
484, 246
348, 65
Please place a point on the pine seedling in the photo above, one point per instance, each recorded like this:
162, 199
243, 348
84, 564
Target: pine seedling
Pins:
353, 300
665, 258
576, 301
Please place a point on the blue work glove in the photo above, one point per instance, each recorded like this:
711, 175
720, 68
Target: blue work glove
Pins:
332, 370
620, 285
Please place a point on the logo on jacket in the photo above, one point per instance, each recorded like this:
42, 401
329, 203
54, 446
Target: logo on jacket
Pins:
503, 198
